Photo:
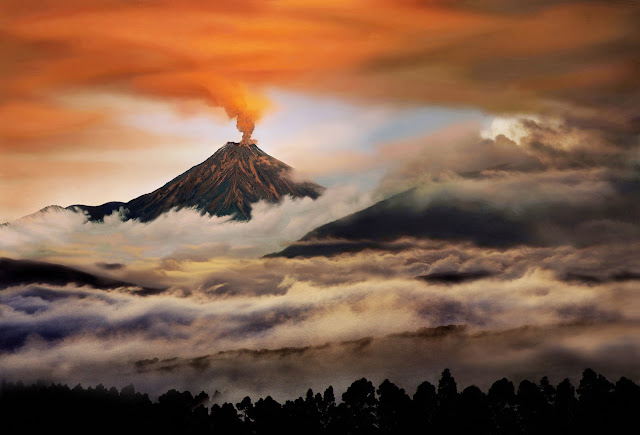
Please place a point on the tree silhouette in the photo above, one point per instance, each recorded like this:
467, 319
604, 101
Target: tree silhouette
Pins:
626, 403
601, 407
534, 410
266, 416
245, 407
565, 407
475, 416
425, 401
394, 409
446, 416
596, 400
225, 420
360, 401
502, 400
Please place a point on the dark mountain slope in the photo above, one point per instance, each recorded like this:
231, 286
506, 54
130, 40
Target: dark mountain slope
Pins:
409, 214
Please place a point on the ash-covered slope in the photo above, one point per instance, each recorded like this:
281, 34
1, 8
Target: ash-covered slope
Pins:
227, 183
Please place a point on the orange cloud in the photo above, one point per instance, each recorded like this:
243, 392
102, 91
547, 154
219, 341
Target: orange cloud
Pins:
566, 57
222, 52
24, 121
431, 51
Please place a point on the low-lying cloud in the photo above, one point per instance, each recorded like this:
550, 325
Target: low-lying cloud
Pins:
281, 324
56, 233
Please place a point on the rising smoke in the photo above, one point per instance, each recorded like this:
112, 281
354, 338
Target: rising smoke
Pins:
245, 125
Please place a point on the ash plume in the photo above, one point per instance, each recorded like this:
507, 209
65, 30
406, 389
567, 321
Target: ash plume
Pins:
245, 125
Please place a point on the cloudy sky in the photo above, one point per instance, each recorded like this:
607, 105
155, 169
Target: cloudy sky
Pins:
502, 138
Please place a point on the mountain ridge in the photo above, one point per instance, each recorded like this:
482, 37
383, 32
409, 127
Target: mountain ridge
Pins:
237, 175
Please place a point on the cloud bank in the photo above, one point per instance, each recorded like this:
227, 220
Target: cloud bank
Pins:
276, 326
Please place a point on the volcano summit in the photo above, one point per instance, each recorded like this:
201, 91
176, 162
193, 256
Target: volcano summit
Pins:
227, 183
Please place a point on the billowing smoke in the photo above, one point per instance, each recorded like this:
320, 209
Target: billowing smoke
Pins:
245, 125
236, 99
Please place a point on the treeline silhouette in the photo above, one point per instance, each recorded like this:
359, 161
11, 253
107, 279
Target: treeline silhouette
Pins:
595, 406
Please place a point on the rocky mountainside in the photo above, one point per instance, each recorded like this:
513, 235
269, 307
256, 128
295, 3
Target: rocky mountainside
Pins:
227, 183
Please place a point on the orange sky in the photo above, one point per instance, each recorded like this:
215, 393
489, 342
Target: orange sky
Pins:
560, 57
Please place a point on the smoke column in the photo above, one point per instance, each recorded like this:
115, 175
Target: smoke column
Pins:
245, 125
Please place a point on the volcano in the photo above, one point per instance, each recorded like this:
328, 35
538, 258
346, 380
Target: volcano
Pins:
227, 183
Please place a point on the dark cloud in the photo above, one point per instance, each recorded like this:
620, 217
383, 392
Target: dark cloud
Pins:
261, 322
588, 313
110, 266
587, 278
31, 293
589, 77
455, 277
15, 334
21, 272
142, 364
53, 314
